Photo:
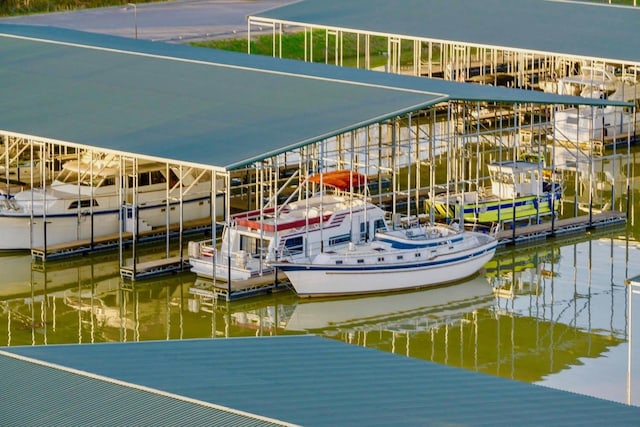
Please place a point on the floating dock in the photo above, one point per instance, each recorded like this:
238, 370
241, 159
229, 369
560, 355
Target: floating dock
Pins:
560, 226
84, 246
209, 291
153, 268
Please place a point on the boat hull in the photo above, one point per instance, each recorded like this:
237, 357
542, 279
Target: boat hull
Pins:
21, 231
317, 280
486, 212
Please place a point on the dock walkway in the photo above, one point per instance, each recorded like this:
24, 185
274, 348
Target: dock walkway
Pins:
209, 290
84, 246
560, 226
156, 267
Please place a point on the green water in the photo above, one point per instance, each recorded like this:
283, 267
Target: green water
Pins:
556, 313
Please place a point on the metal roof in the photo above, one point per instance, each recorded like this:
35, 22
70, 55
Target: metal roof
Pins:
37, 394
305, 380
585, 29
200, 106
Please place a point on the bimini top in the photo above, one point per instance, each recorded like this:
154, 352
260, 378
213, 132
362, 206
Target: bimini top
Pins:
585, 29
197, 106
340, 179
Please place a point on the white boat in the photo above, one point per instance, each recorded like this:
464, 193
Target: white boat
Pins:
604, 125
84, 202
596, 77
602, 180
295, 230
405, 258
518, 190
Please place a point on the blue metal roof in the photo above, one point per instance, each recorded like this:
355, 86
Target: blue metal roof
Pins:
585, 29
311, 381
37, 395
200, 106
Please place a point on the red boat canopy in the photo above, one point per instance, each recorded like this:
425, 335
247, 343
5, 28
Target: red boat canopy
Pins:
340, 179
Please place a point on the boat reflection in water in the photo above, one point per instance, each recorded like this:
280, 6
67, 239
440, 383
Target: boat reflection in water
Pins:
510, 322
555, 315
417, 309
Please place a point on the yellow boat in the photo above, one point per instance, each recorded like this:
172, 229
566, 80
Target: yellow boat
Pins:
518, 192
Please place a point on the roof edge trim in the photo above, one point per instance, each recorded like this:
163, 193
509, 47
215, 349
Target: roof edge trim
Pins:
335, 132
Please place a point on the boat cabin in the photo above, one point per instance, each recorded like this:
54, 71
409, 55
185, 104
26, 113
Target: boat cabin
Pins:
512, 179
304, 227
102, 174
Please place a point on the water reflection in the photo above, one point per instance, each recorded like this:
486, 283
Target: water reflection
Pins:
553, 314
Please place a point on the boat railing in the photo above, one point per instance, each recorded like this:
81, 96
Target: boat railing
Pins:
201, 249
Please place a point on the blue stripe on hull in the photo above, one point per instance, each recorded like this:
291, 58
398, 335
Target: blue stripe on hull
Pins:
382, 268
86, 212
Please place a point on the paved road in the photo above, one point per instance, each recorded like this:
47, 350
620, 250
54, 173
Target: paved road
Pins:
177, 21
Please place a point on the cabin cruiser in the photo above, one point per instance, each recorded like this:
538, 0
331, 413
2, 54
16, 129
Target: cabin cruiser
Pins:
598, 77
84, 201
585, 125
254, 240
602, 125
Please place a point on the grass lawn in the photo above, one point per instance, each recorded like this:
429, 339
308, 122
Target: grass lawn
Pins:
293, 48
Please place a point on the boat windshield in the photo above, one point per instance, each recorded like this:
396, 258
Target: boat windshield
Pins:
74, 175
499, 176
70, 176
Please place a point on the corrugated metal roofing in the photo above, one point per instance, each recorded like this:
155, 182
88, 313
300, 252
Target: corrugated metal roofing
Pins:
312, 381
584, 29
200, 106
38, 395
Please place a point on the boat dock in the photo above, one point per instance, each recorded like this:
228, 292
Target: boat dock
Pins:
561, 226
209, 291
84, 246
156, 267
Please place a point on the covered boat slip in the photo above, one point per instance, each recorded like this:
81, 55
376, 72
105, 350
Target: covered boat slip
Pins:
246, 126
532, 44
76, 200
446, 39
